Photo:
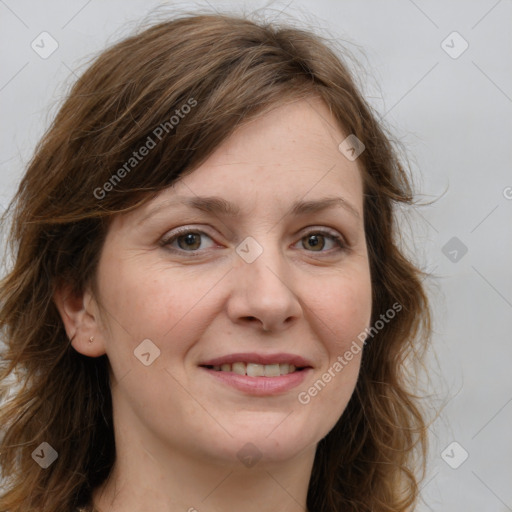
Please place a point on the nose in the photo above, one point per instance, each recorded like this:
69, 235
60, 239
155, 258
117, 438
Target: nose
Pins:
262, 293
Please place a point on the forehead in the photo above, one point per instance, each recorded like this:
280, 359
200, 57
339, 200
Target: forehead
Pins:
293, 148
283, 156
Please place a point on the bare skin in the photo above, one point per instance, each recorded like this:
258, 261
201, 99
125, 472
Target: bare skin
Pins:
185, 439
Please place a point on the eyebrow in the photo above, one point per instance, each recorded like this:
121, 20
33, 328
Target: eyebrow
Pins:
219, 206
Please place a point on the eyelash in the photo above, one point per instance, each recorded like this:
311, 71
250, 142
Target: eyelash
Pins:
166, 242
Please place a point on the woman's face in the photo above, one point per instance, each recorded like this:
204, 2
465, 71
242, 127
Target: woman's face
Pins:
197, 292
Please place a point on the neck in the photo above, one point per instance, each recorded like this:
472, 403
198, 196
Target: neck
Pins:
149, 476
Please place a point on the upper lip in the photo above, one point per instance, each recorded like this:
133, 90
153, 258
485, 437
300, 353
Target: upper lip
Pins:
253, 357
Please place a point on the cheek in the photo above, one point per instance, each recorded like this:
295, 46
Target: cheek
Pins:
343, 312
150, 301
346, 306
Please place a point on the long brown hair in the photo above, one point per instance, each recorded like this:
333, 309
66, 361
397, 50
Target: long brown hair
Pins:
233, 69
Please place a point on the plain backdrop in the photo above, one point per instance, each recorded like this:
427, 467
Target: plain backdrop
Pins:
440, 75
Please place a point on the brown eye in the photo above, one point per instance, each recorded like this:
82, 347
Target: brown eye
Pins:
188, 241
314, 242
317, 242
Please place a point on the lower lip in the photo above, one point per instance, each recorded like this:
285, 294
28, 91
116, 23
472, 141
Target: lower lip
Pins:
260, 386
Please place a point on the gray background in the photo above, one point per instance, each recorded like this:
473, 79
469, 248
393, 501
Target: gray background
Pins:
454, 116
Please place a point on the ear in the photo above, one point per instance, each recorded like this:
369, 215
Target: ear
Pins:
80, 316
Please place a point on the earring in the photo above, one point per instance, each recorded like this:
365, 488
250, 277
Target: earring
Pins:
91, 339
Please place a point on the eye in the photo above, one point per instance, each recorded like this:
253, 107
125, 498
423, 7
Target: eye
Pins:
186, 240
193, 241
316, 241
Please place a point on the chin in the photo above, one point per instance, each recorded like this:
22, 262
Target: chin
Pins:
268, 442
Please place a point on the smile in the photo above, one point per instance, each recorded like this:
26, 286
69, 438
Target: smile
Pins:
256, 370
259, 374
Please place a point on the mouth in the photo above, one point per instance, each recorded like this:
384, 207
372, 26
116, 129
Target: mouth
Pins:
259, 374
255, 369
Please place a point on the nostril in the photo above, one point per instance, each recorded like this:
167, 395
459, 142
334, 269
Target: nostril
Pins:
251, 319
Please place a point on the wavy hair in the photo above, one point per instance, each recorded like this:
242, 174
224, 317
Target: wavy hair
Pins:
234, 68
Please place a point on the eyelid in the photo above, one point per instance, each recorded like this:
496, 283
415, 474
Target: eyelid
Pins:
325, 231
181, 231
337, 237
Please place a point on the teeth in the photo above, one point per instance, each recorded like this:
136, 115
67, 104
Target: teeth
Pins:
257, 370
271, 370
238, 368
284, 369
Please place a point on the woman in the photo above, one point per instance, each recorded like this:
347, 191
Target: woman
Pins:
207, 308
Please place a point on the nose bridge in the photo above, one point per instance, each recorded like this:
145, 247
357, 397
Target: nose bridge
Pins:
262, 284
262, 259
